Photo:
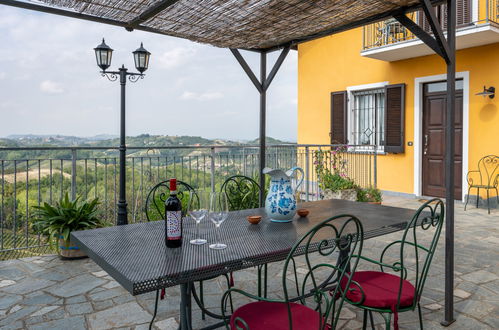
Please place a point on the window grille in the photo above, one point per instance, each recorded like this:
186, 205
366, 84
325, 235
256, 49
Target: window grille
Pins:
368, 117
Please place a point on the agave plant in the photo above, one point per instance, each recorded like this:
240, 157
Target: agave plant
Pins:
59, 220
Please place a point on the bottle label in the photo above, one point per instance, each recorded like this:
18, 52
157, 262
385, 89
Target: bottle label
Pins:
173, 225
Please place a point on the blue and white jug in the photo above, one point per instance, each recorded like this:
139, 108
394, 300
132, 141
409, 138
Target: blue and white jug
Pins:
280, 203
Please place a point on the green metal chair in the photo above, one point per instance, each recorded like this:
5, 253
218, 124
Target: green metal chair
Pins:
242, 192
157, 196
318, 302
398, 286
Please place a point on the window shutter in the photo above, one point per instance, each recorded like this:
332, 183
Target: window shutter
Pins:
339, 118
394, 118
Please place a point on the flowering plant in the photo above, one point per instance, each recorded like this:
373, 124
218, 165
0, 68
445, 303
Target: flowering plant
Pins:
331, 169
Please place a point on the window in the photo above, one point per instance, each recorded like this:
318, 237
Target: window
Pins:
367, 125
368, 117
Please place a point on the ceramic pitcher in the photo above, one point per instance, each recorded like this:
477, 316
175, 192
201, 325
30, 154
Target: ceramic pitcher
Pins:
280, 203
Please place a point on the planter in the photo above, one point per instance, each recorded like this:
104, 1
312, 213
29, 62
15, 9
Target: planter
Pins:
347, 194
377, 203
70, 251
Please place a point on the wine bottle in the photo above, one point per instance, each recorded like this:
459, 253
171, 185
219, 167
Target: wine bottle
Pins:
173, 222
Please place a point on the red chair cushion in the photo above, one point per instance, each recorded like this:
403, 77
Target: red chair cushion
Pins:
263, 315
380, 290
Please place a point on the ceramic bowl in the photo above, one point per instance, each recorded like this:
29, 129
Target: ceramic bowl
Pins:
254, 219
302, 212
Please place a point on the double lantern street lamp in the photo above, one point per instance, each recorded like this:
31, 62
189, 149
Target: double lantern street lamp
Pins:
103, 55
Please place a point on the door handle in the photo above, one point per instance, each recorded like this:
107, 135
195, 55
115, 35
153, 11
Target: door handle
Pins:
425, 144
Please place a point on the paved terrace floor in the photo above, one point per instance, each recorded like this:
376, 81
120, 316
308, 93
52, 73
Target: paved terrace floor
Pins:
47, 293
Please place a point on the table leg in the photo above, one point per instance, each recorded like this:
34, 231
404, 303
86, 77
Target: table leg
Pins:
185, 306
155, 310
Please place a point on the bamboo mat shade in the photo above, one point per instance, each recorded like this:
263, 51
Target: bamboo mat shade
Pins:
243, 24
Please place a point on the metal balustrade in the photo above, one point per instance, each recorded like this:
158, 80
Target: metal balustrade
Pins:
87, 173
390, 32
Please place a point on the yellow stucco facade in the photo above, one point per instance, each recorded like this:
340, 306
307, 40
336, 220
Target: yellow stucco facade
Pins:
334, 63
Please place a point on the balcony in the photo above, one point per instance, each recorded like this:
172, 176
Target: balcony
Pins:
477, 25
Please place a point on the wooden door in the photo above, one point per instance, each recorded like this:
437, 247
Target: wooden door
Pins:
434, 119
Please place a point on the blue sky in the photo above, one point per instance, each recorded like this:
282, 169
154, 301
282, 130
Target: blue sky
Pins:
50, 84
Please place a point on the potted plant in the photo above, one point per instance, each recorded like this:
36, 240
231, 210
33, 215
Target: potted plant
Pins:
333, 180
56, 222
370, 195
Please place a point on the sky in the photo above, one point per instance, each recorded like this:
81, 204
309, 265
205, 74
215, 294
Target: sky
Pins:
50, 83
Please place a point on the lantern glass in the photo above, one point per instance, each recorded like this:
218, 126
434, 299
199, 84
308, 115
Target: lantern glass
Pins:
103, 55
141, 57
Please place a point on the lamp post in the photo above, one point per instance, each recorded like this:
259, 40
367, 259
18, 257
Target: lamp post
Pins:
103, 55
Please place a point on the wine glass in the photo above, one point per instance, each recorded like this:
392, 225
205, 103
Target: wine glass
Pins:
198, 209
219, 211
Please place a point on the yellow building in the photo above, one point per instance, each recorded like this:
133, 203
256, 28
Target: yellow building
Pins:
349, 83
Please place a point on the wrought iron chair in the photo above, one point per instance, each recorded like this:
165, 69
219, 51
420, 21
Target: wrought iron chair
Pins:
389, 293
242, 192
314, 305
155, 210
157, 196
486, 177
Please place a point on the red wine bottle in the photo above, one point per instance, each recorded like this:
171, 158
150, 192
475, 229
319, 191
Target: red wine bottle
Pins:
173, 222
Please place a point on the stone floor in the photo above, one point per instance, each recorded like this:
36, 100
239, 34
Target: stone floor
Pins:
47, 293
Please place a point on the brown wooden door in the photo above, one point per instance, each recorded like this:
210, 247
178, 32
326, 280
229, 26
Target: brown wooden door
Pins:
434, 119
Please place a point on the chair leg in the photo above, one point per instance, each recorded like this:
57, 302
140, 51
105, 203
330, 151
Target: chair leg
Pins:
230, 295
388, 318
488, 201
201, 297
467, 198
372, 319
477, 197
420, 317
364, 320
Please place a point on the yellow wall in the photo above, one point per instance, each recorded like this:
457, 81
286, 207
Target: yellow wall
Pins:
333, 63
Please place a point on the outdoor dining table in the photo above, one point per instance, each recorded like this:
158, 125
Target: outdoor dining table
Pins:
135, 255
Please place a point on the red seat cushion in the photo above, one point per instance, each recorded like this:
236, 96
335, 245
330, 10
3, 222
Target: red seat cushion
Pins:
263, 315
381, 290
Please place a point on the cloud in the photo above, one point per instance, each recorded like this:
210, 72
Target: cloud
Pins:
2, 75
175, 57
207, 96
50, 87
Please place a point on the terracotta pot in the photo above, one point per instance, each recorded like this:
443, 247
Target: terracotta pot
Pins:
377, 203
70, 251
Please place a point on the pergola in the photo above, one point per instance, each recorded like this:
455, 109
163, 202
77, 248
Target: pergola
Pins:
264, 26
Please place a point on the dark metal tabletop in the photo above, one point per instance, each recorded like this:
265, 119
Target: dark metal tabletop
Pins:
136, 256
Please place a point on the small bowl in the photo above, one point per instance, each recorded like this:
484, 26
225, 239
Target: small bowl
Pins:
303, 212
254, 219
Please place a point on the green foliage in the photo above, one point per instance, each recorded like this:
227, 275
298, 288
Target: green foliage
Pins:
59, 220
331, 171
369, 195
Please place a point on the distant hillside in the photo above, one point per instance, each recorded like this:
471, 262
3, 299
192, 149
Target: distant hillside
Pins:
143, 140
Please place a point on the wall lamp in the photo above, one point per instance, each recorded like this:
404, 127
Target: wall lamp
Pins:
490, 92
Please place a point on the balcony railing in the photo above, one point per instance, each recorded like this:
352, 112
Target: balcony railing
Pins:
39, 175
391, 32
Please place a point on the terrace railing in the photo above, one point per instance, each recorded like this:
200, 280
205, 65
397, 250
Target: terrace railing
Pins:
469, 13
32, 176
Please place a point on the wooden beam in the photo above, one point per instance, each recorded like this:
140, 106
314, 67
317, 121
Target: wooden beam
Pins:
151, 12
421, 34
247, 69
435, 27
276, 67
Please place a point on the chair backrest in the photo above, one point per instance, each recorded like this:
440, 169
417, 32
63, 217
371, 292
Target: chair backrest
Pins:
320, 248
242, 192
416, 252
488, 167
155, 201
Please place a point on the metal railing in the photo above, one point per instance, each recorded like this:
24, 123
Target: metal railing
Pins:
390, 32
32, 176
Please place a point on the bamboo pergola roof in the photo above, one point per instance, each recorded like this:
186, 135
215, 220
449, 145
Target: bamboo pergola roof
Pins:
244, 24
